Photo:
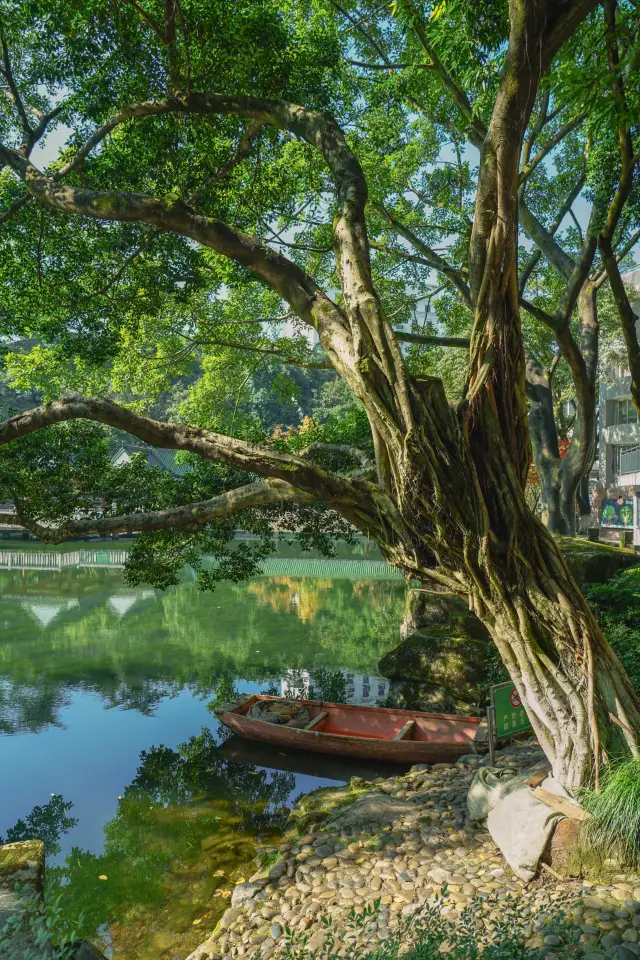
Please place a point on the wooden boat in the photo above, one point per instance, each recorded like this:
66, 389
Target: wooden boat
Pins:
402, 736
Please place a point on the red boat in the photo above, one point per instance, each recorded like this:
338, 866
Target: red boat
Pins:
403, 736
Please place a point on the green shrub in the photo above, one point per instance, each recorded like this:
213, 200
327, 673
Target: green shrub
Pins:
614, 827
616, 604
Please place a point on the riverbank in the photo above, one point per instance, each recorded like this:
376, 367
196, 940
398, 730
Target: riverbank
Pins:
372, 859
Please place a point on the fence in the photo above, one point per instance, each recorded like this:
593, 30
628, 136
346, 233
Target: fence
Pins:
630, 461
272, 567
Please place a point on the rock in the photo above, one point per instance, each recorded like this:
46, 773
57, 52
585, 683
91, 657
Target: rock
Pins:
22, 864
450, 662
229, 916
610, 939
560, 851
243, 892
594, 562
324, 850
85, 951
630, 935
376, 807
275, 931
593, 903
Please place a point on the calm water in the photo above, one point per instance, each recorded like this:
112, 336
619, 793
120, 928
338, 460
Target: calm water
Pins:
104, 694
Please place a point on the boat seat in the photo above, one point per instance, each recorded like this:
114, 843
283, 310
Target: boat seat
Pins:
316, 721
407, 730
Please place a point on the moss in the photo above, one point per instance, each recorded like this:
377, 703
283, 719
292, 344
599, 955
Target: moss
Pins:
594, 562
21, 856
323, 803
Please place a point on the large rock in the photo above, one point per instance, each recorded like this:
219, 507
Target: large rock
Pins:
21, 864
374, 808
444, 662
595, 562
428, 698
452, 661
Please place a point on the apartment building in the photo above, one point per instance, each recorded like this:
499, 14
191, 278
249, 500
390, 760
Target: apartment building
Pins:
617, 500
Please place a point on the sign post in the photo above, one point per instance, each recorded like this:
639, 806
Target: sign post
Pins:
508, 716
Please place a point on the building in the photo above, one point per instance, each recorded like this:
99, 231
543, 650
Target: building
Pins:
362, 689
155, 457
618, 501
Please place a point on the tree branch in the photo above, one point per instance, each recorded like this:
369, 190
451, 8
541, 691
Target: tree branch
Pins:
620, 255
367, 465
432, 341
477, 131
284, 276
390, 66
551, 231
291, 361
262, 493
150, 22
431, 257
7, 72
244, 149
628, 318
264, 461
557, 138
545, 241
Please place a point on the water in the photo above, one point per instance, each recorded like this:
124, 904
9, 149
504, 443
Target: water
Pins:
104, 694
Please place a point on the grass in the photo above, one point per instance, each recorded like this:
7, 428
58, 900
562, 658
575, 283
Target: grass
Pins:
614, 827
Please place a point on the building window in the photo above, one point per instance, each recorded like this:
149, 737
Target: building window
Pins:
626, 412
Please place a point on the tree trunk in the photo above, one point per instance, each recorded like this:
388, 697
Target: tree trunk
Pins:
567, 675
556, 506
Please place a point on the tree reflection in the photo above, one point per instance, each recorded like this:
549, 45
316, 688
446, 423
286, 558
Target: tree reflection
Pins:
185, 827
135, 654
46, 823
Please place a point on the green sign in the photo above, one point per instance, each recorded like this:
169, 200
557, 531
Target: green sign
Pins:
103, 556
509, 715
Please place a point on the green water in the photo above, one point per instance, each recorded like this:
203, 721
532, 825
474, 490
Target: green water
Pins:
103, 703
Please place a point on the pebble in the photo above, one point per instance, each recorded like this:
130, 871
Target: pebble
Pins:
403, 864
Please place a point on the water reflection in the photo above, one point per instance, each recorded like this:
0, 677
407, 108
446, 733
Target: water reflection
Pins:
103, 690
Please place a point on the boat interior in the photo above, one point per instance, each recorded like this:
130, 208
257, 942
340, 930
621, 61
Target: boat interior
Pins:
348, 720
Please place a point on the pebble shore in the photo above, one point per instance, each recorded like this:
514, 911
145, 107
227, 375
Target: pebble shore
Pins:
399, 843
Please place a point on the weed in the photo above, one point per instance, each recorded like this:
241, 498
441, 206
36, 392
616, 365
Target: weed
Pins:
35, 924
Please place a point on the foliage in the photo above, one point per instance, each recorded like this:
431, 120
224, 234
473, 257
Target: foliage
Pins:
616, 604
177, 800
37, 923
428, 934
171, 328
614, 828
328, 685
46, 823
324, 684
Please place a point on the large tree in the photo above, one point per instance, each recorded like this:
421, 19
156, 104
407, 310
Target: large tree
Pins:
443, 490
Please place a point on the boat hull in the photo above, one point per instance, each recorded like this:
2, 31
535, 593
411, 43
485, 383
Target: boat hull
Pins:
365, 732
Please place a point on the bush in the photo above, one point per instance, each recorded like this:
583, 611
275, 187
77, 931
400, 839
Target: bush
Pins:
614, 827
616, 604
